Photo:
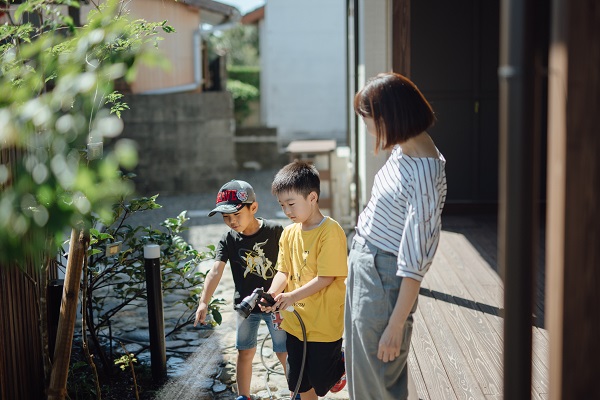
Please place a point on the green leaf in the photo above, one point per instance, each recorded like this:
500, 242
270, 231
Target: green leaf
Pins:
217, 316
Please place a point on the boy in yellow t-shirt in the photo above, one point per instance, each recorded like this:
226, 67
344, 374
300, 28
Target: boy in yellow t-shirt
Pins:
312, 266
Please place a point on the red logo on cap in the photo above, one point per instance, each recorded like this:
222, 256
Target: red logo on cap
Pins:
230, 196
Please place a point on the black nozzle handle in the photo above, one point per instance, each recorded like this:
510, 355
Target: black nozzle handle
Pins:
268, 300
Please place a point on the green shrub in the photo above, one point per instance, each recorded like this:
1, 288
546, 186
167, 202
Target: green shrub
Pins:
243, 94
117, 281
245, 74
56, 97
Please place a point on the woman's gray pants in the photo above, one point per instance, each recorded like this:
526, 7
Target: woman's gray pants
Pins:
371, 293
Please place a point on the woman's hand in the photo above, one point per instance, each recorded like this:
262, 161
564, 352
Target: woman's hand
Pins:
390, 343
391, 339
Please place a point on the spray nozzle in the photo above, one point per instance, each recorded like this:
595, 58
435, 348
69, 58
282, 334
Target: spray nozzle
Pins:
249, 302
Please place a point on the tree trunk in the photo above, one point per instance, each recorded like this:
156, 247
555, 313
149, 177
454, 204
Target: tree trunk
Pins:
80, 240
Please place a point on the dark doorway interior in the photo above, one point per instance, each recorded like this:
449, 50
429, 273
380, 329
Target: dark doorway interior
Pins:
454, 49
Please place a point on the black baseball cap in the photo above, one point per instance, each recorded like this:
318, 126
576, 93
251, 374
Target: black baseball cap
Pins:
232, 196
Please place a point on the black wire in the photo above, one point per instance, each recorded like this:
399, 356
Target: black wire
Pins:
262, 357
271, 370
303, 355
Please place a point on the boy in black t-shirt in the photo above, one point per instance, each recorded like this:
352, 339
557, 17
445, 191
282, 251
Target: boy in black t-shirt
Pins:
251, 247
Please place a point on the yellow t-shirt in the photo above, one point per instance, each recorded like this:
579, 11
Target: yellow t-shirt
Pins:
303, 255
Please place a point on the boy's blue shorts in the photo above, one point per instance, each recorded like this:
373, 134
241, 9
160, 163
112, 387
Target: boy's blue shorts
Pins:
247, 332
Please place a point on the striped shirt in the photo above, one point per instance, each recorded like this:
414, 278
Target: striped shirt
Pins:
403, 216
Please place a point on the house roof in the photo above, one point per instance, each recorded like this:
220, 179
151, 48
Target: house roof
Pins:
254, 16
214, 6
214, 13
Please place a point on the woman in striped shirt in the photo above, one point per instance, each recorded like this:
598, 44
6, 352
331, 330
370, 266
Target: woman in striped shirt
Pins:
396, 237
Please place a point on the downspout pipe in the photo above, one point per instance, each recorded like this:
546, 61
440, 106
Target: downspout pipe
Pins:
518, 209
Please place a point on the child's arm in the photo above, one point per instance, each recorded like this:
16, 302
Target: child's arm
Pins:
285, 300
279, 283
210, 285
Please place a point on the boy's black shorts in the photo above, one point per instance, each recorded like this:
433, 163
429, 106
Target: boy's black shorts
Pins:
323, 367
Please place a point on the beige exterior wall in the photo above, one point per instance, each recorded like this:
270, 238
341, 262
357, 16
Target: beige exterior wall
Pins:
177, 47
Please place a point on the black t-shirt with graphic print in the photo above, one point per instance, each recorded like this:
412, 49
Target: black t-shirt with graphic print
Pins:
252, 258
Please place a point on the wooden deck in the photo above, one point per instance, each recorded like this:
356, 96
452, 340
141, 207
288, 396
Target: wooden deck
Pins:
456, 350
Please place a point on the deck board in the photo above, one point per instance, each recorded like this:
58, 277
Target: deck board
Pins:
456, 350
473, 333
461, 377
417, 377
431, 367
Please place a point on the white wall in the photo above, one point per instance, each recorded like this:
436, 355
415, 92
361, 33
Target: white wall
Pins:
303, 74
374, 57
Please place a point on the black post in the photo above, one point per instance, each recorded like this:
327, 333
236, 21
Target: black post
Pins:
156, 323
518, 211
